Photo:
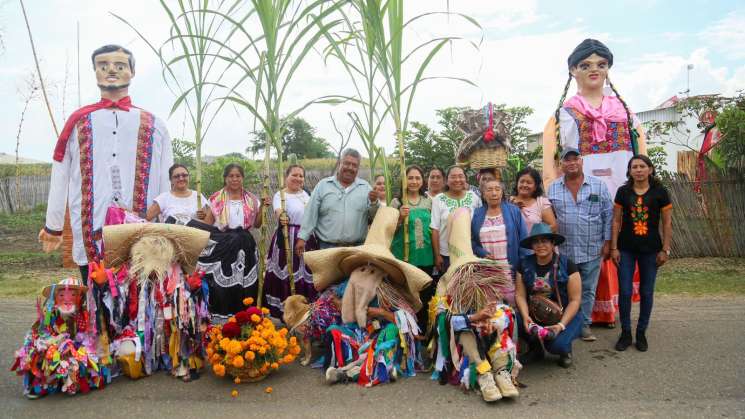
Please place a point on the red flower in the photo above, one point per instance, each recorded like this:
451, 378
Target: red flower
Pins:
231, 330
242, 317
253, 310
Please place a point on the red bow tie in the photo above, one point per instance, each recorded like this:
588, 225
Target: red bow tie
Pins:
124, 103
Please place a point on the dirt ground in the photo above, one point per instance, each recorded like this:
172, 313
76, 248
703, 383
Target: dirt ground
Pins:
695, 368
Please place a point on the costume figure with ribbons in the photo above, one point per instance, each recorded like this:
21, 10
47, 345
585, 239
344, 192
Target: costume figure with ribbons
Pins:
598, 123
474, 330
59, 354
376, 340
110, 153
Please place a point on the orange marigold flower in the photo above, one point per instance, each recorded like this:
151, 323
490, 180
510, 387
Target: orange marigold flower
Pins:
248, 301
255, 318
274, 365
268, 390
234, 393
219, 370
265, 310
288, 359
237, 380
231, 319
238, 362
250, 356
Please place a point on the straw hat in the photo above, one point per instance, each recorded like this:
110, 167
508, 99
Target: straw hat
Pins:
331, 265
67, 283
459, 245
187, 241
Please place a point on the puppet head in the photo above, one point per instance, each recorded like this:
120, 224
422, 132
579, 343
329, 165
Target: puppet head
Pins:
67, 294
114, 66
589, 64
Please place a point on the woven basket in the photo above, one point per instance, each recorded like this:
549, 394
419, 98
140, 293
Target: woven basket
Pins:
488, 158
249, 375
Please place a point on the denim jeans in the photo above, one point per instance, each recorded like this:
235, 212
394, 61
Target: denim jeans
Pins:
647, 276
562, 343
589, 272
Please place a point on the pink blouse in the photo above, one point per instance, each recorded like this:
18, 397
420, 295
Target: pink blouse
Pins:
532, 213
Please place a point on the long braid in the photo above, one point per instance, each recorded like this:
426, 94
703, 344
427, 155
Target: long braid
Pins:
556, 114
632, 129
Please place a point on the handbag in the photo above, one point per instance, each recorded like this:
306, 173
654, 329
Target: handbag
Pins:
544, 310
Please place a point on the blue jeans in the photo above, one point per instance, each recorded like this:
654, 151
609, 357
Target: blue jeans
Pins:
562, 343
647, 276
589, 272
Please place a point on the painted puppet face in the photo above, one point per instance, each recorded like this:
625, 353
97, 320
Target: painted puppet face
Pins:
113, 71
296, 179
67, 301
591, 72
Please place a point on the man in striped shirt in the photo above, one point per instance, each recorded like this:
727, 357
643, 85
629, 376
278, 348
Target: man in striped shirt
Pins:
584, 213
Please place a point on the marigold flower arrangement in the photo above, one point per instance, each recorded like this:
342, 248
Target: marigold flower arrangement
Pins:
248, 346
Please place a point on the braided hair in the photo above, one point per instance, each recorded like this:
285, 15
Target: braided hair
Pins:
558, 110
632, 130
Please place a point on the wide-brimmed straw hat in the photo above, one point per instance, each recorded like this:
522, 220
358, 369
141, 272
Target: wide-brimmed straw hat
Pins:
329, 266
541, 230
187, 241
67, 283
459, 242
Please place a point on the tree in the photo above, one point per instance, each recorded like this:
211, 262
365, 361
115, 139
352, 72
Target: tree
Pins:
298, 138
731, 123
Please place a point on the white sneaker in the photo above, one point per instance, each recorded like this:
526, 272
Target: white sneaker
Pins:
503, 379
489, 390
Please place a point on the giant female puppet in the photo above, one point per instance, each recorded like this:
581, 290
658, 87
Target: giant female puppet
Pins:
109, 153
595, 121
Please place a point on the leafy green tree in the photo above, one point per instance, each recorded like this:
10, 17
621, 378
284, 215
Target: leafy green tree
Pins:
731, 123
298, 138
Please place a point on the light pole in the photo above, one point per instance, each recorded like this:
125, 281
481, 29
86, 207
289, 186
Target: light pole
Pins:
687, 91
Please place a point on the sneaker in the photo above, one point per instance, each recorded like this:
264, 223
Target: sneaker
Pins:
641, 341
334, 375
587, 335
565, 360
504, 382
624, 341
489, 390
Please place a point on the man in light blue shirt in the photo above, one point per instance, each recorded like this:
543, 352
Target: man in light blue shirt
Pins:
340, 207
584, 214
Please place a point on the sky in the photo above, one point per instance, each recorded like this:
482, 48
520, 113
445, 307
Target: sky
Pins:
517, 57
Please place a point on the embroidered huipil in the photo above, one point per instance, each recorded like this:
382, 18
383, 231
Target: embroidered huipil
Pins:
605, 158
112, 157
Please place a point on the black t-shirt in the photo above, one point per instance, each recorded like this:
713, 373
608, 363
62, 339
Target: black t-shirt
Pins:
640, 229
544, 272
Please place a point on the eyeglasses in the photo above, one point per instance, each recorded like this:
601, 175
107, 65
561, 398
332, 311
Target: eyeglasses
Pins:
181, 176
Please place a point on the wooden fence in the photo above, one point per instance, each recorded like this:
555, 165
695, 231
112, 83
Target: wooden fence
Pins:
709, 223
34, 190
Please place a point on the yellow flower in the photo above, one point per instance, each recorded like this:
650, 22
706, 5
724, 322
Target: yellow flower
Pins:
250, 356
225, 344
238, 362
255, 318
265, 310
248, 301
234, 393
235, 347
231, 319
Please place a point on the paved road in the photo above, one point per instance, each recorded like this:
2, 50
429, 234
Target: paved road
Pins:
695, 368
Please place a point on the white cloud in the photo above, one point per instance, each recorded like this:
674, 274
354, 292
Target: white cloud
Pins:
727, 35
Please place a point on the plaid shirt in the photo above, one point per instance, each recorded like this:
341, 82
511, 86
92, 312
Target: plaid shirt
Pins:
585, 223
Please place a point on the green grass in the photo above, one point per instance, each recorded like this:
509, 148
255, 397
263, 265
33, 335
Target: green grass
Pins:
702, 276
30, 221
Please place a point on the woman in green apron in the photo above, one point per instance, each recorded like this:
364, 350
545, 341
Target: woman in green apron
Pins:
418, 212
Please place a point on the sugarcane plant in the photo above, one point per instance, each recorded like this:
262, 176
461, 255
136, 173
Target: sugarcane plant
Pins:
375, 28
281, 33
193, 67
